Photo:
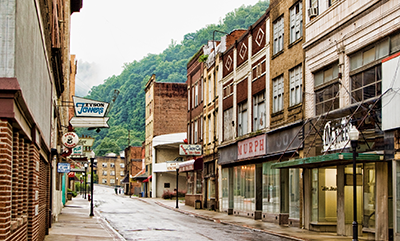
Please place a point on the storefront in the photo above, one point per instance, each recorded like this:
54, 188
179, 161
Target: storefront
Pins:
328, 177
193, 169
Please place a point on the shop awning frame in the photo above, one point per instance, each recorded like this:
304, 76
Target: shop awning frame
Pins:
191, 165
327, 160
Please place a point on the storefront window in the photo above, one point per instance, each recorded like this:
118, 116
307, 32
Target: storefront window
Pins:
271, 189
294, 192
369, 195
190, 183
225, 189
211, 189
348, 194
244, 188
324, 195
199, 179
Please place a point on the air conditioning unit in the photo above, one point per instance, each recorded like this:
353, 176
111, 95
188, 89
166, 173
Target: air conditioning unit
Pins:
312, 12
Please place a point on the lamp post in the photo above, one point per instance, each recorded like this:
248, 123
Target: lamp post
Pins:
177, 181
353, 135
91, 182
85, 178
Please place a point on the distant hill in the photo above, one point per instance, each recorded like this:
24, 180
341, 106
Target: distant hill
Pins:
128, 111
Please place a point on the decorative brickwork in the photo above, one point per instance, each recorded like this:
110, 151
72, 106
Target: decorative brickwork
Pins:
5, 178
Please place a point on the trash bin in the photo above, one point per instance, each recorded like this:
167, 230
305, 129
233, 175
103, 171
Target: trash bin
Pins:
197, 204
142, 194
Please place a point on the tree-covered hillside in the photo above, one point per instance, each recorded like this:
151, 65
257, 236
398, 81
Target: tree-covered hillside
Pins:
128, 111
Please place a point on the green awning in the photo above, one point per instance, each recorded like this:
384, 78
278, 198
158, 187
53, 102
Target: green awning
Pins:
327, 160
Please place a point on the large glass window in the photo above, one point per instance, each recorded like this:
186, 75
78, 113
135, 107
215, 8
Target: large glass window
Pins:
277, 91
294, 193
190, 182
324, 195
369, 195
225, 188
243, 190
271, 189
348, 194
242, 118
296, 22
199, 179
327, 99
259, 114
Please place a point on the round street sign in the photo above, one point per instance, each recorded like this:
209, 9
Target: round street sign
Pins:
70, 139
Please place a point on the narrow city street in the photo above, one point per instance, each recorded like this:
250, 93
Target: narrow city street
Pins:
138, 220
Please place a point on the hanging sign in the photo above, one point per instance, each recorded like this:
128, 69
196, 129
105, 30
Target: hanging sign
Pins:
63, 167
190, 150
89, 108
336, 134
70, 139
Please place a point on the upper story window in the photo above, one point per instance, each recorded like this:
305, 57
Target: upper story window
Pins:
112, 165
104, 181
277, 94
228, 124
331, 2
259, 70
242, 118
112, 173
327, 89
209, 129
296, 22
195, 131
295, 76
210, 87
104, 164
278, 28
121, 173
189, 99
196, 93
193, 103
122, 165
259, 113
104, 173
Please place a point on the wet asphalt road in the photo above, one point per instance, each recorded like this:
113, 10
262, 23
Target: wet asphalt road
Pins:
137, 220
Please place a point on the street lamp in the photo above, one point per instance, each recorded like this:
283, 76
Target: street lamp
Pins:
353, 135
85, 178
177, 181
91, 182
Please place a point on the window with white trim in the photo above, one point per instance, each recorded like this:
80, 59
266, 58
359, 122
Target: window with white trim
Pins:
277, 94
210, 87
122, 165
278, 29
259, 111
112, 165
121, 173
189, 99
196, 97
327, 89
104, 180
242, 118
296, 21
193, 105
112, 181
104, 173
201, 129
228, 124
112, 173
104, 164
195, 131
295, 76
259, 70
209, 129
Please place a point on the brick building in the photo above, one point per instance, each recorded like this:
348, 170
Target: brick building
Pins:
110, 169
161, 120
134, 165
34, 80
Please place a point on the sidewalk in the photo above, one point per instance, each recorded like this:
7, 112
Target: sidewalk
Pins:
292, 233
74, 223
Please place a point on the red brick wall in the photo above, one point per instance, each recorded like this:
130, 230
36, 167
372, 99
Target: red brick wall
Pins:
6, 178
241, 91
170, 108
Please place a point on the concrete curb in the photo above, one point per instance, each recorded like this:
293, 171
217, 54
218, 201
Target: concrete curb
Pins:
228, 223
108, 228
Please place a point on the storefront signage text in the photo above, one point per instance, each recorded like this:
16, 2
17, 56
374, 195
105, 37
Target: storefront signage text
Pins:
89, 108
70, 139
252, 147
190, 150
336, 135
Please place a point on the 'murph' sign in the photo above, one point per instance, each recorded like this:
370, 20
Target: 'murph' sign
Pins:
89, 108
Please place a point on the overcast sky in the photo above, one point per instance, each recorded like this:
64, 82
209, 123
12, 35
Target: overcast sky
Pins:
106, 34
